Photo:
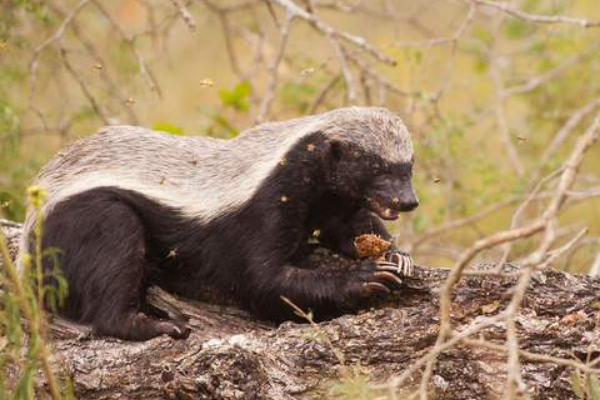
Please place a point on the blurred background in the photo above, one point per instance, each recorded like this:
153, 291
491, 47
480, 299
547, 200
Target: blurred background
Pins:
494, 99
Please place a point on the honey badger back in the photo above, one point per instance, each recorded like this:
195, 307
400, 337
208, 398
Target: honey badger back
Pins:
129, 207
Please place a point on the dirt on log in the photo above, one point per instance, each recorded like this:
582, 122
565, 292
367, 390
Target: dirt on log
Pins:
231, 355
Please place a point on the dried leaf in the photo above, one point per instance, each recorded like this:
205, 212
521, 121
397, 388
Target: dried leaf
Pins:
490, 308
574, 318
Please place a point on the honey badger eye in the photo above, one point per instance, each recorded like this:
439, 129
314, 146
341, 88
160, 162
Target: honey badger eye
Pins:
378, 169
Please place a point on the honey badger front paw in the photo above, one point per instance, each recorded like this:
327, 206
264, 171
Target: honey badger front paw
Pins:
397, 262
373, 282
175, 329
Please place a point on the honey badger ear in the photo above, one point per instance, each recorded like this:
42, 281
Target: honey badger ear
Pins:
328, 149
336, 150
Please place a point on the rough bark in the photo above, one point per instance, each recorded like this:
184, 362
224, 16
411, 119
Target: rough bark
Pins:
230, 355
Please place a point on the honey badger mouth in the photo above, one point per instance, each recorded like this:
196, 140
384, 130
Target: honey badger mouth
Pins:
382, 211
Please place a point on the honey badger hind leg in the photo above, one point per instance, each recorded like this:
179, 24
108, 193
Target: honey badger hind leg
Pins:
102, 246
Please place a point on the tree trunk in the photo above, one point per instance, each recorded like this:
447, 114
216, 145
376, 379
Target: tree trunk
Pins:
231, 355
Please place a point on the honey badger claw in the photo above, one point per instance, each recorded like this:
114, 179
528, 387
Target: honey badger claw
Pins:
398, 262
388, 277
381, 282
376, 287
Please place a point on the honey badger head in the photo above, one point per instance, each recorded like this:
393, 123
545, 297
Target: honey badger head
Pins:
371, 158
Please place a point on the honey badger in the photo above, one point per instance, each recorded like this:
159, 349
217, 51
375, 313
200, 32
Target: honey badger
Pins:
129, 207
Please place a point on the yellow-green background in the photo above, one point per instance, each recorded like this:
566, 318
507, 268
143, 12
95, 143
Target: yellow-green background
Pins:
462, 164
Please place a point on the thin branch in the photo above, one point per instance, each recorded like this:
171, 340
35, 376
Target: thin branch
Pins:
343, 60
507, 8
269, 96
544, 223
145, 70
83, 86
587, 368
459, 223
516, 219
500, 113
323, 94
565, 131
185, 14
33, 64
537, 81
439, 41
296, 11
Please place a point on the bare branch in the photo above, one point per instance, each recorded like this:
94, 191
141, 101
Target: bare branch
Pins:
33, 64
350, 85
500, 112
296, 11
323, 94
145, 70
544, 223
507, 8
565, 132
587, 368
440, 41
551, 74
269, 96
83, 86
185, 14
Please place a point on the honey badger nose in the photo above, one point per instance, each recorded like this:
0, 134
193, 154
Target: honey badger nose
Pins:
409, 205
405, 203
403, 197
391, 194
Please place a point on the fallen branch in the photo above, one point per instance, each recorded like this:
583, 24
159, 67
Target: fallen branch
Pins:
230, 355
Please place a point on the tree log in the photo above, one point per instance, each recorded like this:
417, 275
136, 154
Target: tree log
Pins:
231, 355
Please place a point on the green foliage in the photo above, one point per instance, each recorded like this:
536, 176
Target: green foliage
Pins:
483, 34
10, 140
10, 8
84, 113
299, 96
23, 324
9, 126
585, 387
169, 128
9, 75
420, 223
237, 98
125, 60
220, 125
11, 206
354, 386
414, 56
518, 29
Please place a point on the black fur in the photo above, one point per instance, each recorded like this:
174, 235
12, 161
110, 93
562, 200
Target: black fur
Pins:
114, 243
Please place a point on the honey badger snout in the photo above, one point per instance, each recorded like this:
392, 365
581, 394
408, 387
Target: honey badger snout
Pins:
388, 196
398, 194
